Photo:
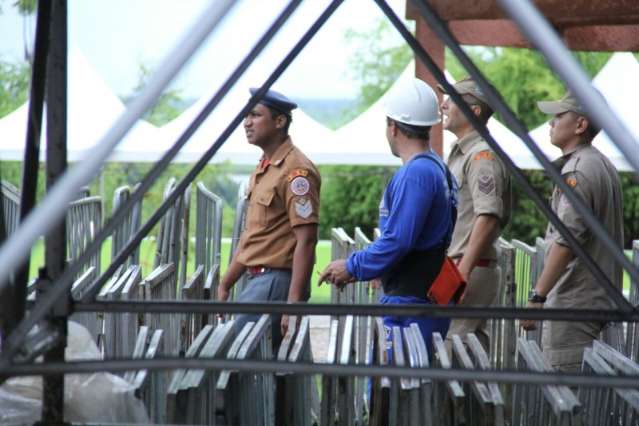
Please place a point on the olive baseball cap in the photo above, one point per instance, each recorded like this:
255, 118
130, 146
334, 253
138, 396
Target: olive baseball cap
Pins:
467, 86
565, 104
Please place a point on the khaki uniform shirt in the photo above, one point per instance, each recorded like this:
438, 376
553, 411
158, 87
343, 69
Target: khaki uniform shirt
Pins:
595, 180
282, 194
484, 188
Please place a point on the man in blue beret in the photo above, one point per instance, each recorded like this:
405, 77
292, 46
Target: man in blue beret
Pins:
277, 248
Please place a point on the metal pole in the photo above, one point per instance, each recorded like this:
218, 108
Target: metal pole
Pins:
190, 176
31, 160
53, 207
500, 107
537, 29
436, 311
55, 241
262, 366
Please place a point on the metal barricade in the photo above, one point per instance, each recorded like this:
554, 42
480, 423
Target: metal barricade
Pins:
128, 227
150, 386
199, 385
421, 394
503, 336
238, 227
192, 323
176, 398
208, 228
632, 330
526, 274
84, 220
255, 402
111, 327
535, 405
10, 206
294, 391
328, 412
172, 244
90, 320
448, 396
161, 285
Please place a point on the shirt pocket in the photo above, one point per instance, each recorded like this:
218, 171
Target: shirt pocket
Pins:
264, 202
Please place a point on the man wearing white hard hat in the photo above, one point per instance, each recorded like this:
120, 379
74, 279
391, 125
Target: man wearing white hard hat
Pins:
485, 201
416, 214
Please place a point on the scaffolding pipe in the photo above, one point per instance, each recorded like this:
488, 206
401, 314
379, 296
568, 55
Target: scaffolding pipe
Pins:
31, 160
262, 366
500, 106
439, 311
53, 207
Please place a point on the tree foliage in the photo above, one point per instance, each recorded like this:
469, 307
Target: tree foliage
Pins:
14, 85
168, 106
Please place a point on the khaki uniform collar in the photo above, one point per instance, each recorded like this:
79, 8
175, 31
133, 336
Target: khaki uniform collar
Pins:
561, 161
466, 142
279, 155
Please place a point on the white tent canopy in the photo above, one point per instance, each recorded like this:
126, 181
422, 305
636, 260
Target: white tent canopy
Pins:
92, 108
617, 81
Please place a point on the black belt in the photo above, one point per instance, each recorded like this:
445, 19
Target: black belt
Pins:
414, 273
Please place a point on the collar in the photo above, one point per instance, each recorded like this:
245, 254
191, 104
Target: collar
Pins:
277, 158
466, 142
561, 161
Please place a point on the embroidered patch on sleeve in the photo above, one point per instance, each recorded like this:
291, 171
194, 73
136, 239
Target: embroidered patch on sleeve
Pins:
297, 172
486, 184
484, 155
303, 208
572, 182
300, 186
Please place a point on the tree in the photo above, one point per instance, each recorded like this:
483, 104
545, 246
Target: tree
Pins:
168, 106
14, 85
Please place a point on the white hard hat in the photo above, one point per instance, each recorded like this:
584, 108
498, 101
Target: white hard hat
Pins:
413, 102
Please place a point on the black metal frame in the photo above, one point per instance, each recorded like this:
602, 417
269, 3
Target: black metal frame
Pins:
55, 302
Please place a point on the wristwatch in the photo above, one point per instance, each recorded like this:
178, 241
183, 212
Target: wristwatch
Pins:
534, 297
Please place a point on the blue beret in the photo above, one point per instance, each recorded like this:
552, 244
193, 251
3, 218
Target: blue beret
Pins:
275, 100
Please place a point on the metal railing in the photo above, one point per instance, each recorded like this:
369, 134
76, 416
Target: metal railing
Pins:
129, 225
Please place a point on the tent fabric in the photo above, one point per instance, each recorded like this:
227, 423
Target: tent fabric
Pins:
92, 109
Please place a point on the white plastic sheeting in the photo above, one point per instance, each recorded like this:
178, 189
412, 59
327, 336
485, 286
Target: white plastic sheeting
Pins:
97, 397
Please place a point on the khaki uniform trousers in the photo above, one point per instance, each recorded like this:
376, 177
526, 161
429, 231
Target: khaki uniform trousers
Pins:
482, 291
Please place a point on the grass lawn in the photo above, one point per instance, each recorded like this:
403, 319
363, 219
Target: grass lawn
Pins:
147, 253
318, 294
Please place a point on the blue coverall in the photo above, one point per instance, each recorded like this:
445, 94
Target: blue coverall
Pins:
416, 213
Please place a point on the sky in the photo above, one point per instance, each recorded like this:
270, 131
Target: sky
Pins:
117, 36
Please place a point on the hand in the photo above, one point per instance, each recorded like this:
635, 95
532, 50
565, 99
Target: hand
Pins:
222, 293
376, 283
530, 325
285, 321
336, 273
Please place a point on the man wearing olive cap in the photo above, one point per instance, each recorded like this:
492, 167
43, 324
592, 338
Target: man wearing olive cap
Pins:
565, 282
484, 207
277, 247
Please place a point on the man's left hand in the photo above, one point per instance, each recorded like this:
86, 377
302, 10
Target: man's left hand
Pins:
530, 325
336, 273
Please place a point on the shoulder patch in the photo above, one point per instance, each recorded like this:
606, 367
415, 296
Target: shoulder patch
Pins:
484, 155
303, 208
297, 172
571, 181
300, 185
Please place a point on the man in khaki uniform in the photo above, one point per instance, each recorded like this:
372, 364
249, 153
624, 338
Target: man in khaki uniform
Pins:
483, 210
565, 282
277, 248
